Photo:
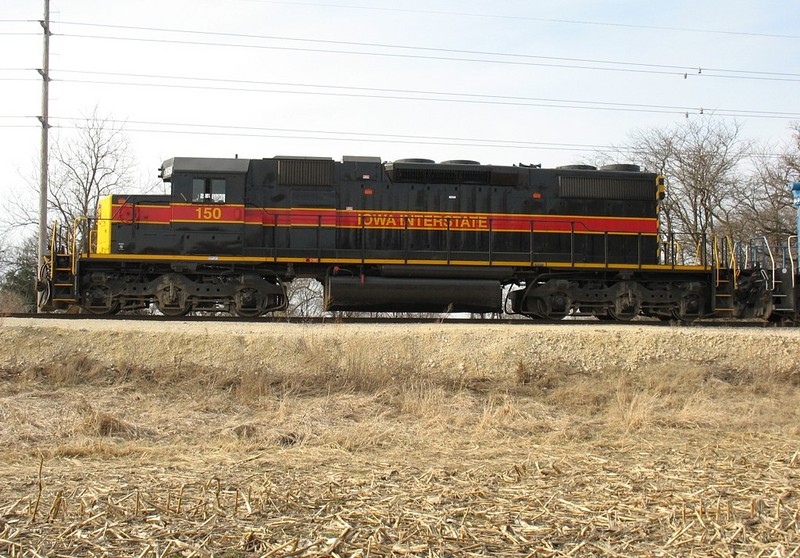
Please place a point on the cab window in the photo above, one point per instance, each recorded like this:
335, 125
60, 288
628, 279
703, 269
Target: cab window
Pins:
208, 190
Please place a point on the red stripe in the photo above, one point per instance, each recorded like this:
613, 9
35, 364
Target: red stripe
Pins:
381, 219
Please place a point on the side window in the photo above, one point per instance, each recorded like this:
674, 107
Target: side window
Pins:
208, 190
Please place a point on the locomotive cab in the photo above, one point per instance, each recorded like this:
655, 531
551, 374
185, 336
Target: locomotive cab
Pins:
207, 204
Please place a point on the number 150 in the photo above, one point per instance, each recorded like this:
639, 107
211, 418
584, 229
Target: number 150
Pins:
209, 213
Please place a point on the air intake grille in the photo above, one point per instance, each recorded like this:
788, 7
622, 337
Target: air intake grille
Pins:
299, 172
442, 176
606, 188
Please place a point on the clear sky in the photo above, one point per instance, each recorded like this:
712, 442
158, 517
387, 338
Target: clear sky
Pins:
500, 81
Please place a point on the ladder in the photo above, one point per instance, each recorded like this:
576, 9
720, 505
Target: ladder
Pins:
725, 276
62, 266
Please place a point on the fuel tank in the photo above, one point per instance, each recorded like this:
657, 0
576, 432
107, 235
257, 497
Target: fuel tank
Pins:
398, 294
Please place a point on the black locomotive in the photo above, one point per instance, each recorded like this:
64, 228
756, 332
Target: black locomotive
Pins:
411, 235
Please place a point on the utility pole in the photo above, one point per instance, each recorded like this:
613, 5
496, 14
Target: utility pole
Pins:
45, 73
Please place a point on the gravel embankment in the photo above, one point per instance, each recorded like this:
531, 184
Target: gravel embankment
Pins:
489, 348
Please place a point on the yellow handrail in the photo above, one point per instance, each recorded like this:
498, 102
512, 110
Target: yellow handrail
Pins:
74, 242
698, 252
733, 265
53, 243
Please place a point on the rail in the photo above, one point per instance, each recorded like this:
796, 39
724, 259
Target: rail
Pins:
792, 269
735, 271
325, 231
53, 244
527, 248
772, 261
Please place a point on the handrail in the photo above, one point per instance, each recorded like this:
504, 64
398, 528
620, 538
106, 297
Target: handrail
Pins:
733, 267
92, 242
772, 261
746, 256
791, 257
53, 250
74, 242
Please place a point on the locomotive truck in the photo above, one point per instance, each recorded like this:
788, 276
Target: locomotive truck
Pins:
409, 236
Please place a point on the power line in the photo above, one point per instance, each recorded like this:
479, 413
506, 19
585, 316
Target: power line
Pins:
361, 95
630, 67
378, 45
423, 92
372, 89
379, 54
465, 98
545, 20
366, 135
682, 68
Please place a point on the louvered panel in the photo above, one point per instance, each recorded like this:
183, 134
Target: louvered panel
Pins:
606, 188
300, 172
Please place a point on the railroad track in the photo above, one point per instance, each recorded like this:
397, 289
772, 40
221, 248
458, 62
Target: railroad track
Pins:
223, 318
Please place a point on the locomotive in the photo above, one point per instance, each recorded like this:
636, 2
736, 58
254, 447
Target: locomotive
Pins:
410, 235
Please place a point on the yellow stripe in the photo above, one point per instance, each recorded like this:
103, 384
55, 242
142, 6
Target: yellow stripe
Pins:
201, 204
494, 263
202, 222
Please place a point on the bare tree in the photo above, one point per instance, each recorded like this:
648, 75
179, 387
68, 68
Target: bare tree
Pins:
305, 298
701, 161
764, 205
88, 162
88, 165
790, 159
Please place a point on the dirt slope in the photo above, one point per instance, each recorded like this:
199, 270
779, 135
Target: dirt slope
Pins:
487, 349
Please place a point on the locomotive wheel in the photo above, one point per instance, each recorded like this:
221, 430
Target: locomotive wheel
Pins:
248, 303
625, 315
247, 312
555, 307
173, 311
99, 300
689, 308
622, 316
626, 307
172, 299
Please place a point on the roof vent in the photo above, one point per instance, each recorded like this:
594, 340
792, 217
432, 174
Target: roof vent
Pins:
621, 168
417, 161
576, 167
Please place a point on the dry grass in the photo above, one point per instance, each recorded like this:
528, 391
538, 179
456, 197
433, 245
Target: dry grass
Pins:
344, 456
